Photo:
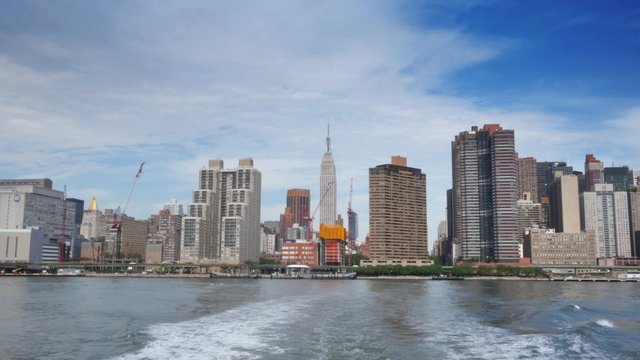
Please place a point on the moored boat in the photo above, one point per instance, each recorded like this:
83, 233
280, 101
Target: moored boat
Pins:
447, 278
70, 272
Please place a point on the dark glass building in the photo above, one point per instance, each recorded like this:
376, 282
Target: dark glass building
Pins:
485, 194
619, 176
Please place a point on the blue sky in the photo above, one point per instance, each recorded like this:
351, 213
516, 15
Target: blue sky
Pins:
89, 90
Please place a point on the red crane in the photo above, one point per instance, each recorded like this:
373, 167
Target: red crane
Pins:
310, 219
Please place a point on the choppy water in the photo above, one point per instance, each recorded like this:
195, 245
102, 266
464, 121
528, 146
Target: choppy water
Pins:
96, 318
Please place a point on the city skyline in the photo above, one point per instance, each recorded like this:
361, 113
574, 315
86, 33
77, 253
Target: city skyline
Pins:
90, 91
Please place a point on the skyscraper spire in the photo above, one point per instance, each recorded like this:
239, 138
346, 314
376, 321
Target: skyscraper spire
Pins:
328, 140
328, 210
94, 204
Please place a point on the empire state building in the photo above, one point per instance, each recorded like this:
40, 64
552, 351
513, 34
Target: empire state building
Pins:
328, 191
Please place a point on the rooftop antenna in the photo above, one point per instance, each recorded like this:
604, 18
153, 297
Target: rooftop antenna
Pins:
328, 139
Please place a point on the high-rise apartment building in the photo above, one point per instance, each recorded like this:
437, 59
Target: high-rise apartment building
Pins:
352, 228
528, 178
581, 181
485, 223
286, 221
529, 214
328, 187
565, 204
546, 172
200, 237
593, 172
165, 229
131, 241
268, 243
133, 237
224, 218
634, 218
397, 212
298, 201
451, 250
192, 238
545, 212
240, 229
73, 224
619, 176
607, 213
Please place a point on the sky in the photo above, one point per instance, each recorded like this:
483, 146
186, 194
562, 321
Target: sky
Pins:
90, 89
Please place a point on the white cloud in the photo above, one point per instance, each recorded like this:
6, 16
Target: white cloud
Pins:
181, 85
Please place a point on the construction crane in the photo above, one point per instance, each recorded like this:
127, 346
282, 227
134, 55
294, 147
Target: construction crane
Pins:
310, 218
349, 210
117, 224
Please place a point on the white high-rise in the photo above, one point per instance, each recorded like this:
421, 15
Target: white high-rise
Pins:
224, 219
606, 212
328, 207
200, 235
240, 210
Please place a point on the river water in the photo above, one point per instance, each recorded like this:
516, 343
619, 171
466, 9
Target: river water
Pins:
134, 318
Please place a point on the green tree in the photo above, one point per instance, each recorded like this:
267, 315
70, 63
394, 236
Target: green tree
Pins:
463, 269
398, 270
485, 270
436, 260
538, 272
357, 258
267, 261
503, 270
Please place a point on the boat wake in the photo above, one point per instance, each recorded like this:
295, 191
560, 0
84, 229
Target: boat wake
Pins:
240, 333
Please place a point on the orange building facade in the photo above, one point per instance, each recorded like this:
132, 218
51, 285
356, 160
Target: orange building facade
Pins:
333, 239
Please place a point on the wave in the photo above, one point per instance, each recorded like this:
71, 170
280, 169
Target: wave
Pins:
595, 329
485, 342
573, 309
245, 332
605, 323
474, 338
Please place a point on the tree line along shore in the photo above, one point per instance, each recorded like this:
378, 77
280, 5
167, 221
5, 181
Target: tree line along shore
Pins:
461, 270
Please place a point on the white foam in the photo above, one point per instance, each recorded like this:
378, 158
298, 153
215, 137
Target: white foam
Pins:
577, 307
605, 323
240, 333
485, 342
472, 338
